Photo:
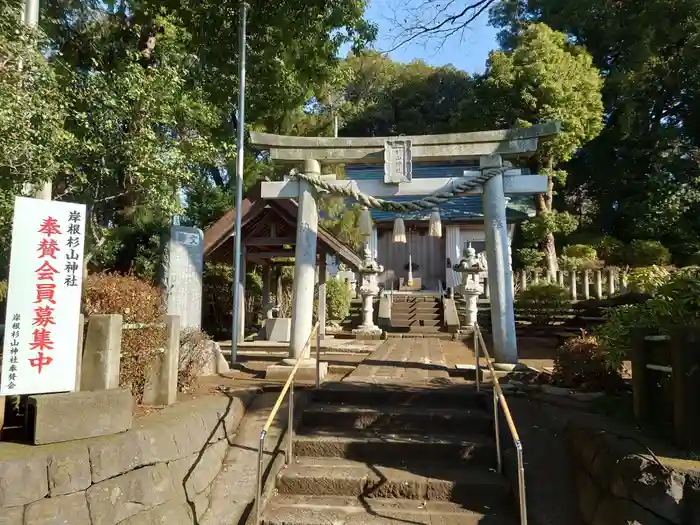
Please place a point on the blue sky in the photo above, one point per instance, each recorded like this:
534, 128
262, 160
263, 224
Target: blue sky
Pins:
467, 52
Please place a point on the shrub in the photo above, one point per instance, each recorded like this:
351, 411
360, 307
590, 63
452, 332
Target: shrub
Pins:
609, 249
338, 297
675, 303
579, 257
580, 251
580, 363
194, 356
541, 302
647, 253
530, 258
647, 279
139, 303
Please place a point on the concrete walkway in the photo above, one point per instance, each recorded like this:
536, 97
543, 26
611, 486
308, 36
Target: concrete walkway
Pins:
404, 360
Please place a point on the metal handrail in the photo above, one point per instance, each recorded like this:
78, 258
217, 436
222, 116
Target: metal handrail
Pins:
500, 399
288, 386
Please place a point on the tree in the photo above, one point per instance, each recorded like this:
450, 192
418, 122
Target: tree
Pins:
383, 97
138, 103
32, 113
546, 78
640, 177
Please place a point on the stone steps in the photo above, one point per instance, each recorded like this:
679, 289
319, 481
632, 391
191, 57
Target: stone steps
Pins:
370, 446
323, 416
417, 324
453, 396
416, 315
338, 510
475, 489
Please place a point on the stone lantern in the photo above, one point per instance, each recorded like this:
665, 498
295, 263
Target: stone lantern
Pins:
470, 267
369, 285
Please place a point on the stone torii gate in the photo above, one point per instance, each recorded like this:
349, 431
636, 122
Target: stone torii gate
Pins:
493, 180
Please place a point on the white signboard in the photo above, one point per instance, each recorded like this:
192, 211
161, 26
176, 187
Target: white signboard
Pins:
43, 303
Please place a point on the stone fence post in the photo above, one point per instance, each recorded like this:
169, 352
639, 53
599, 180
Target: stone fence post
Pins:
161, 388
102, 353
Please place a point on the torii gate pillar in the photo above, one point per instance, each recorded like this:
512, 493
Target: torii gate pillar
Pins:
505, 346
303, 286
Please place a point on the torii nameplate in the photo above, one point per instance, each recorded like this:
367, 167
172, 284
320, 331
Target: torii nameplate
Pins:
397, 161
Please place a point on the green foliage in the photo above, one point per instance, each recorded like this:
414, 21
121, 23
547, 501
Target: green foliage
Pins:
544, 78
536, 229
530, 257
675, 303
580, 251
579, 257
647, 253
341, 221
647, 279
338, 297
3, 300
541, 302
609, 249
217, 299
580, 363
640, 177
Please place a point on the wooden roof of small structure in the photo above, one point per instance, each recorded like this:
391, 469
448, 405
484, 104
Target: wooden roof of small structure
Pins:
267, 226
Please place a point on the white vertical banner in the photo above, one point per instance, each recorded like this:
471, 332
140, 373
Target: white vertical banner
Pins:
374, 242
453, 253
43, 302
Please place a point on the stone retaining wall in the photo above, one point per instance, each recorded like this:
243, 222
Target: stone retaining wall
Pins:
159, 472
620, 482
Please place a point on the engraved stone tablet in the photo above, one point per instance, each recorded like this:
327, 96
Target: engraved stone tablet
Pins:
397, 161
183, 267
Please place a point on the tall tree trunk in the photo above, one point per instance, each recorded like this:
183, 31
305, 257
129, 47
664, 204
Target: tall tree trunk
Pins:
544, 205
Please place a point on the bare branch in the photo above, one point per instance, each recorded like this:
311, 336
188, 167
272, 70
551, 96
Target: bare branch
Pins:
433, 20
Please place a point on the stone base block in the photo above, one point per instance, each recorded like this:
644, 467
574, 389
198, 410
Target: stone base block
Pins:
306, 372
78, 415
370, 331
279, 329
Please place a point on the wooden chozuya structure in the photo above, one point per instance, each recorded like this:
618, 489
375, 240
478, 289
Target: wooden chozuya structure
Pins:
268, 234
489, 149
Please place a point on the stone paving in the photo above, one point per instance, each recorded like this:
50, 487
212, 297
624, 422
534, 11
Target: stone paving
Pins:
404, 360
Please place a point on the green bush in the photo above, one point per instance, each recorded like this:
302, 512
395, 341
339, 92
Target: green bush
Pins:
530, 258
541, 302
338, 297
581, 363
647, 279
578, 257
647, 253
610, 250
675, 303
580, 251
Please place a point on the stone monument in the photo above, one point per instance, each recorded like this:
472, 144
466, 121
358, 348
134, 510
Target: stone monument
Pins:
183, 266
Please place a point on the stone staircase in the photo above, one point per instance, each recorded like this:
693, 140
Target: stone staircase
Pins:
377, 455
417, 314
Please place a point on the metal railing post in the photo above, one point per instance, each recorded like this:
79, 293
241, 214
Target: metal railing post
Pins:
290, 427
477, 357
318, 358
521, 483
289, 453
496, 425
258, 488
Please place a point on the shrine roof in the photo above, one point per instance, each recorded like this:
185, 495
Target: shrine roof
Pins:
257, 215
